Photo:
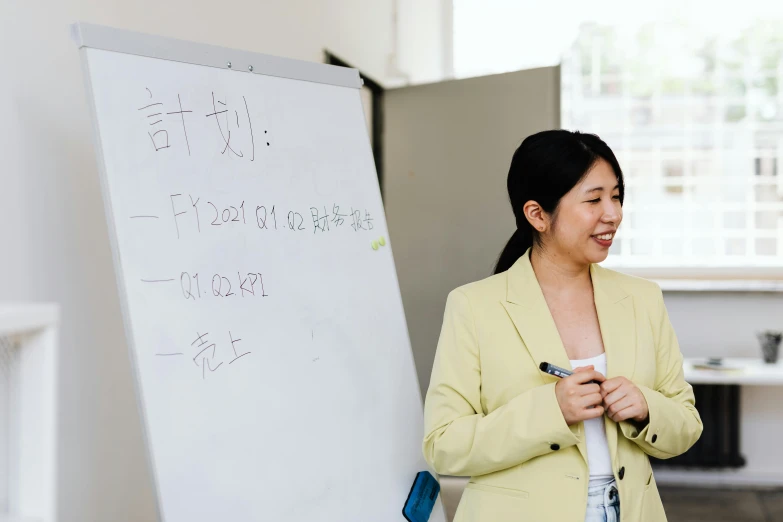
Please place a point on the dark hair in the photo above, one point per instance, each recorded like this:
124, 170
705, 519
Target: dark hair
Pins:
544, 168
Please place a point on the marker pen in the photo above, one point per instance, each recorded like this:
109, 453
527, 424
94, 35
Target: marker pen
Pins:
557, 371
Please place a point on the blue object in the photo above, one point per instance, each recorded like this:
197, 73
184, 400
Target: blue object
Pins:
421, 498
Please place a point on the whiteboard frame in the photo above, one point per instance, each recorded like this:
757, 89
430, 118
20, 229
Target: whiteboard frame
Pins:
151, 46
119, 275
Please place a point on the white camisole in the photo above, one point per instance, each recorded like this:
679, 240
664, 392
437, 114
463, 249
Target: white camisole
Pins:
598, 459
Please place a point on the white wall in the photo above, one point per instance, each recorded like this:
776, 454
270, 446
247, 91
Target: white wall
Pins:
418, 22
52, 232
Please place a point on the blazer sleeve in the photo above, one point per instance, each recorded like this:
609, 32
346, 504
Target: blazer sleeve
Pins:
674, 424
459, 438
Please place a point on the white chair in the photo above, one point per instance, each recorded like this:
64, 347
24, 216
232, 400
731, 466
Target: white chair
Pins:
28, 412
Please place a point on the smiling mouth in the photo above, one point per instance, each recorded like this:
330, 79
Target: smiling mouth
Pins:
605, 237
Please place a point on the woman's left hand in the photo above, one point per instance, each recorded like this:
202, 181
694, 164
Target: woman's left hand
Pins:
623, 400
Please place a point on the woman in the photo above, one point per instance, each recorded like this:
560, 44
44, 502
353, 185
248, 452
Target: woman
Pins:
539, 448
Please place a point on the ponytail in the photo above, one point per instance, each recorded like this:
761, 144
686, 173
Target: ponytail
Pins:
520, 241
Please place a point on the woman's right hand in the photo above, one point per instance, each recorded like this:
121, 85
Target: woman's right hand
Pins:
579, 399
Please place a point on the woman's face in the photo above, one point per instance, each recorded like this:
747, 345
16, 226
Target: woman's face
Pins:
588, 217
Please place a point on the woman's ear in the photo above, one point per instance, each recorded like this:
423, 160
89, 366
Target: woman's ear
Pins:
536, 216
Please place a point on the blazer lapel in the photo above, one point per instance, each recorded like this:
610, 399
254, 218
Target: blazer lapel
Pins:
528, 310
616, 318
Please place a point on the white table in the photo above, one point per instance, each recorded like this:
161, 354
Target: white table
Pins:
723, 406
752, 372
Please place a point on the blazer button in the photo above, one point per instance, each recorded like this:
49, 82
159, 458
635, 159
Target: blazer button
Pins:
655, 437
621, 473
555, 447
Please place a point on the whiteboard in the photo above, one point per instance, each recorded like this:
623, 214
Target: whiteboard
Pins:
273, 367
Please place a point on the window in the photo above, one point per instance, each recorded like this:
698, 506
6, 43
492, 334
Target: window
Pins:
691, 102
696, 120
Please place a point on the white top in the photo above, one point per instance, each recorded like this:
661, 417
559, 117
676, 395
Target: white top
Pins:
599, 461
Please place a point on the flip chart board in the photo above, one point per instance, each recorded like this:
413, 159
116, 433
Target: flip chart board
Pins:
273, 367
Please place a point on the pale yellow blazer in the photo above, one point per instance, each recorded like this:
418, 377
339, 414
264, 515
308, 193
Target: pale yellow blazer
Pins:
491, 414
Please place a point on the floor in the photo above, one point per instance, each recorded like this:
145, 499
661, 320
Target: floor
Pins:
722, 505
